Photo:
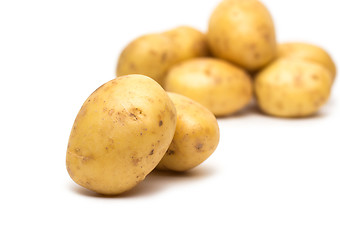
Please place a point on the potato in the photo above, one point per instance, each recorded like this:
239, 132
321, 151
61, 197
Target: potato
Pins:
120, 134
219, 86
242, 31
150, 55
154, 54
189, 43
196, 136
292, 88
308, 52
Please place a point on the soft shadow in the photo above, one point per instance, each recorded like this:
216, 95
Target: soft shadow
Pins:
155, 182
250, 109
317, 115
253, 109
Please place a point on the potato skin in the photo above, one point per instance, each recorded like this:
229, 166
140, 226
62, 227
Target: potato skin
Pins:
153, 54
308, 52
196, 136
150, 55
188, 43
292, 88
218, 85
120, 134
242, 32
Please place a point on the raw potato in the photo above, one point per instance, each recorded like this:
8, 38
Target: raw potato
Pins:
188, 43
120, 134
308, 52
196, 136
242, 31
219, 86
152, 55
292, 88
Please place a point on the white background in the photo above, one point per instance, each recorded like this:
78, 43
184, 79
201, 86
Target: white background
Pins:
269, 178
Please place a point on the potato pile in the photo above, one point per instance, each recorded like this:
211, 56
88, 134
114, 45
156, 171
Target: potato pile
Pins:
160, 112
127, 127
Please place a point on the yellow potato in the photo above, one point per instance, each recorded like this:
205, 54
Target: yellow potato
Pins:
292, 87
120, 134
219, 86
150, 55
196, 136
189, 43
242, 31
153, 54
308, 52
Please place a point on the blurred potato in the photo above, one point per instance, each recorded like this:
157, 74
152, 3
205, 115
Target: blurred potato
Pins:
150, 55
308, 52
291, 87
216, 84
242, 32
188, 43
153, 54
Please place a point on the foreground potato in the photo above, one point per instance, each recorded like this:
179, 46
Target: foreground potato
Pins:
292, 88
150, 55
307, 52
120, 134
196, 137
242, 31
219, 86
154, 54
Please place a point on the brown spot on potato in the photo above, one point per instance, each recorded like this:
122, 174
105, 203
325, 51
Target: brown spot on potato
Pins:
252, 46
170, 152
199, 146
153, 52
266, 36
160, 123
86, 158
207, 71
257, 55
132, 66
217, 80
298, 81
151, 153
111, 112
133, 116
279, 105
315, 77
164, 57
135, 160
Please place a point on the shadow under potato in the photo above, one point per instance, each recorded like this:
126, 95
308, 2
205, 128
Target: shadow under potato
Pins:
253, 109
155, 182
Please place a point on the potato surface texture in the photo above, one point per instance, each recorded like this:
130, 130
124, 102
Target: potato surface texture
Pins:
218, 85
292, 88
242, 32
188, 43
120, 134
308, 52
196, 136
153, 54
150, 55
